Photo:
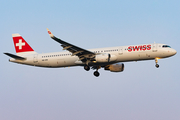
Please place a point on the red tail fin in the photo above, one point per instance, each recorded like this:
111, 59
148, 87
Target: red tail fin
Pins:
21, 46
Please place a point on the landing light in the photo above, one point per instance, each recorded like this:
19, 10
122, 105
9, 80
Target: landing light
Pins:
158, 58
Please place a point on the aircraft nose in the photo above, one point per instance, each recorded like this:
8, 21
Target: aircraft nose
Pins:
174, 52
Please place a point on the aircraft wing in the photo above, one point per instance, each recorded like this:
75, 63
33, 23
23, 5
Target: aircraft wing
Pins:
83, 54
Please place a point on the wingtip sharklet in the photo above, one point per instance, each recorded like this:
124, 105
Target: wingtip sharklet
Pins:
49, 32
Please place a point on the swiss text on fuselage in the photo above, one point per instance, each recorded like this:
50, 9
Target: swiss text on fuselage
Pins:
139, 48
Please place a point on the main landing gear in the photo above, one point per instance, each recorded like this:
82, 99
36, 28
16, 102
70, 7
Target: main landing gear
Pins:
96, 73
86, 67
156, 60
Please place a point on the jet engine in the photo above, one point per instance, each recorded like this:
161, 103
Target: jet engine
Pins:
105, 57
118, 67
102, 58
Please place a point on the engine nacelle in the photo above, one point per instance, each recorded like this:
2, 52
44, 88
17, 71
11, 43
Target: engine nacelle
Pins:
118, 67
105, 57
113, 58
102, 58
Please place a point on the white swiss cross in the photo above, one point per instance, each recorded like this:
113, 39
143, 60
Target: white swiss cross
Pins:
20, 44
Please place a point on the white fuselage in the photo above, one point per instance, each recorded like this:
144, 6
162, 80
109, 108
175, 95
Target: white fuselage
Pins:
122, 53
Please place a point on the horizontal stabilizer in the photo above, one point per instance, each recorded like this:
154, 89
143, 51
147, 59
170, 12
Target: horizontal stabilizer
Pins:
15, 56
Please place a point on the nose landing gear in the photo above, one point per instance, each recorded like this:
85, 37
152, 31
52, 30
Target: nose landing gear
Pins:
157, 65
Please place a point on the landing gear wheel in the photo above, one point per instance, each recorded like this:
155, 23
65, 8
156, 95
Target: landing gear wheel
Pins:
156, 60
87, 68
157, 65
96, 73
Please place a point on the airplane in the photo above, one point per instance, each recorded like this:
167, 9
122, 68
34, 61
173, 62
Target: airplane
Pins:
109, 58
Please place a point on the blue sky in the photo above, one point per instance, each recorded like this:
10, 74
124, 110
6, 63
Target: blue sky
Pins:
141, 92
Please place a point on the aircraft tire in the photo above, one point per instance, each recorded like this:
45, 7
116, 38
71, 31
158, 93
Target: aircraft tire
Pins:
96, 73
157, 66
86, 67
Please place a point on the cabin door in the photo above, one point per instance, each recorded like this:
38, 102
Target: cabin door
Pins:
35, 59
154, 47
120, 50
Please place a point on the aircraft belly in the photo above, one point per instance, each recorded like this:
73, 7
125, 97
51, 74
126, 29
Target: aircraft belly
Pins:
143, 55
128, 57
135, 56
63, 62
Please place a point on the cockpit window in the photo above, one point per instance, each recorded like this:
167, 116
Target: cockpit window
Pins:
166, 46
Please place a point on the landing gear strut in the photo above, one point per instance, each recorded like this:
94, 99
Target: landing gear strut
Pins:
156, 60
86, 67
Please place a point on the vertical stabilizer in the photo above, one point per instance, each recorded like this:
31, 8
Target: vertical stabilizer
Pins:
21, 46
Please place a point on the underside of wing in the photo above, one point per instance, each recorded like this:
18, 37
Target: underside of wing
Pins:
83, 54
